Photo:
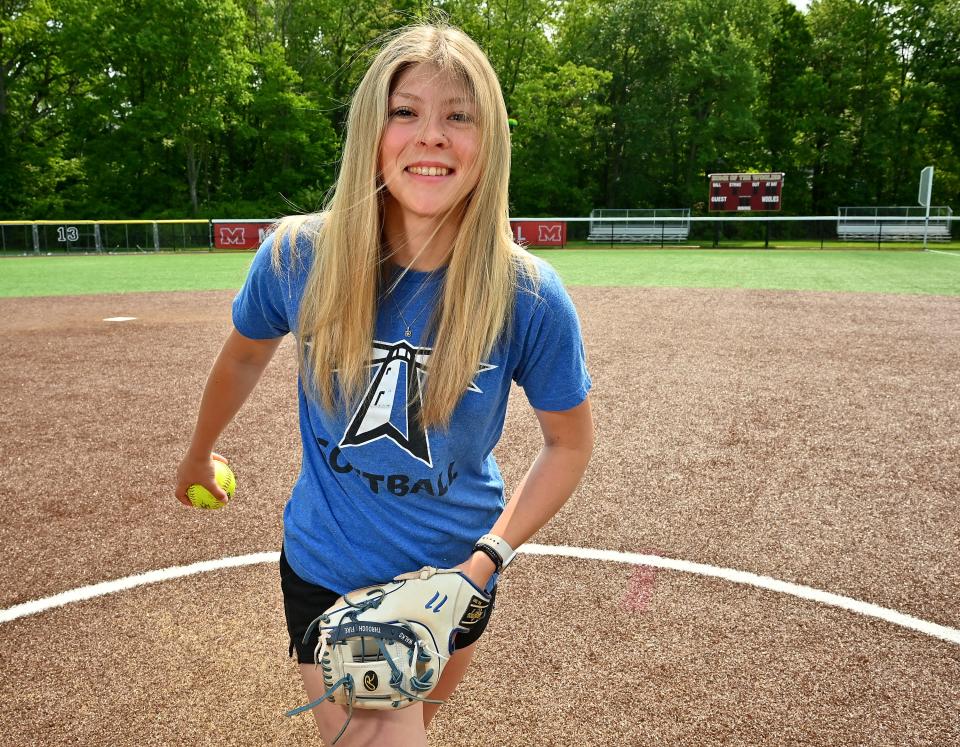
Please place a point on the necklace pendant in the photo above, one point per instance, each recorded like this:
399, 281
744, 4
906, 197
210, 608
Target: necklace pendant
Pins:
408, 332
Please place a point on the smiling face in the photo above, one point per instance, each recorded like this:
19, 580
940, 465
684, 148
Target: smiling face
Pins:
429, 147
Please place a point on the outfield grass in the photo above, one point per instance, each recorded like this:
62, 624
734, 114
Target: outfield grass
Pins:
803, 244
863, 271
851, 271
123, 273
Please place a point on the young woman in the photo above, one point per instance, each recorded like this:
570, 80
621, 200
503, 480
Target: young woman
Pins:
413, 311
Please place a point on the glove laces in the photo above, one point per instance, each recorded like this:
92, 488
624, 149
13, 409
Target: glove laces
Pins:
345, 682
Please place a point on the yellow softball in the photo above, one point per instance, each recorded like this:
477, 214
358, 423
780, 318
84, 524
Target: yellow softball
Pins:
200, 497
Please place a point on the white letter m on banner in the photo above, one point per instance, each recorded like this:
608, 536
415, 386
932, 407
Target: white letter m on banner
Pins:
550, 233
232, 236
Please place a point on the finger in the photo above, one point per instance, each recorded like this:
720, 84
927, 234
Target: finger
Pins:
219, 493
180, 493
215, 490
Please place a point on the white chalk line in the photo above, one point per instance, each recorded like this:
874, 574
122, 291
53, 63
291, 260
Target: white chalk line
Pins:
131, 582
732, 575
752, 579
949, 254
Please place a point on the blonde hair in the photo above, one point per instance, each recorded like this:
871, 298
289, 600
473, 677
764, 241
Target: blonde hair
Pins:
339, 306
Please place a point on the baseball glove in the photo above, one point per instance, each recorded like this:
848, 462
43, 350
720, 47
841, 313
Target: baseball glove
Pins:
386, 646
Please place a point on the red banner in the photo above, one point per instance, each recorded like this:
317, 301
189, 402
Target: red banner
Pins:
239, 235
539, 232
526, 232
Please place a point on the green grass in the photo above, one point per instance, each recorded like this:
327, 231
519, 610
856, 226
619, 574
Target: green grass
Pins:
808, 244
861, 271
848, 271
68, 276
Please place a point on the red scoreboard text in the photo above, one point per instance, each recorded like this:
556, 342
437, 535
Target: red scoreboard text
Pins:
745, 192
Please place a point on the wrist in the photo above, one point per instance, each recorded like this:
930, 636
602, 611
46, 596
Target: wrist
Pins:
478, 568
497, 549
199, 452
492, 556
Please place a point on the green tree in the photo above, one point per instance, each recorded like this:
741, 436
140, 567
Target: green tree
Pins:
941, 67
719, 76
851, 109
926, 98
175, 76
683, 93
785, 104
131, 107
329, 43
559, 114
513, 33
41, 78
279, 152
630, 40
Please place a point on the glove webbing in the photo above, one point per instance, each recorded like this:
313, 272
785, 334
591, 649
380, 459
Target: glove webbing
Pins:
397, 678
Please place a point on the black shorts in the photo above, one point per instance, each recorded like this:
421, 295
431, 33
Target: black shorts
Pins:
303, 602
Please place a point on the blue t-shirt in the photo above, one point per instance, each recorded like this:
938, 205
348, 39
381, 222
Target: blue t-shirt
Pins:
378, 495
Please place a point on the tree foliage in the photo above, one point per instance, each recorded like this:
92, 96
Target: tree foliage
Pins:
236, 107
562, 114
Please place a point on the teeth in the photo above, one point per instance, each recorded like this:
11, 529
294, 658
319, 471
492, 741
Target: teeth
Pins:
428, 170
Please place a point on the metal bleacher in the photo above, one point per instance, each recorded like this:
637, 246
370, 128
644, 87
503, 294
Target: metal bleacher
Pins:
639, 226
893, 223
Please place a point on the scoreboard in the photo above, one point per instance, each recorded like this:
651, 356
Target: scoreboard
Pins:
757, 193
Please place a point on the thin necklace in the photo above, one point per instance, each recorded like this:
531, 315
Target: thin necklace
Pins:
408, 326
408, 331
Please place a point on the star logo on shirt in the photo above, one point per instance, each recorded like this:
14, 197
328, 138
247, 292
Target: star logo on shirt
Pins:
390, 406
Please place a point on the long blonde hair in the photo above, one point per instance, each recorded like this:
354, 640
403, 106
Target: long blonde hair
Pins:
339, 306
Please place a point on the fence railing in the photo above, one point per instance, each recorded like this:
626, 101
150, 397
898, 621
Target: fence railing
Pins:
103, 236
852, 227
755, 231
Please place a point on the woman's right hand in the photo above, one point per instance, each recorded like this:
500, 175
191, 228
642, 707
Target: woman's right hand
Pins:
194, 470
234, 375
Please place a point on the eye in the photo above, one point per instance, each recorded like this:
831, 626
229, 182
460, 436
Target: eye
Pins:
461, 117
402, 112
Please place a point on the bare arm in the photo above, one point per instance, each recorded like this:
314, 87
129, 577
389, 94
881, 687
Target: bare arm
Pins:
234, 375
550, 481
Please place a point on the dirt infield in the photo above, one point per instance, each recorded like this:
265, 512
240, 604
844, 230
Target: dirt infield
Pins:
809, 437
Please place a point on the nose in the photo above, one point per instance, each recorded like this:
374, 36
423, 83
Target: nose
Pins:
433, 134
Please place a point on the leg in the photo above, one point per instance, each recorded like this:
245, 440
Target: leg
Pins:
452, 674
368, 727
